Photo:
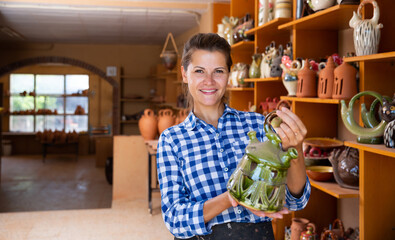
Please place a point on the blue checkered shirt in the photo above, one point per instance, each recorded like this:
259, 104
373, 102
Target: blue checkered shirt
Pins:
195, 161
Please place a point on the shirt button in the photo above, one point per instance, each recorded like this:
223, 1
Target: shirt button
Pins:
226, 169
239, 211
221, 150
217, 134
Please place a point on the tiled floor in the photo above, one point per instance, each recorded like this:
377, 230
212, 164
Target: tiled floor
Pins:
61, 183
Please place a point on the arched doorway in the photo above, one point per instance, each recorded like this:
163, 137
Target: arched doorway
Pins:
74, 62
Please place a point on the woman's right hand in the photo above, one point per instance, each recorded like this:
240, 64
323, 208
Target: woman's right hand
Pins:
278, 214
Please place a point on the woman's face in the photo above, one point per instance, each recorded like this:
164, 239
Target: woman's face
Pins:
207, 78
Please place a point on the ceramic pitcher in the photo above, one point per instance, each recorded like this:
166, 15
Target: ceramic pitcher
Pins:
259, 179
345, 82
325, 79
366, 31
307, 84
148, 125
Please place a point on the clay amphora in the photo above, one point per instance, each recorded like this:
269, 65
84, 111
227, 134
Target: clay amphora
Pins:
259, 180
166, 119
182, 114
307, 84
148, 125
297, 227
325, 79
345, 82
367, 31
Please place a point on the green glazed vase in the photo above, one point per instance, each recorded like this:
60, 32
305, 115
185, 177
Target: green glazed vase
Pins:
259, 179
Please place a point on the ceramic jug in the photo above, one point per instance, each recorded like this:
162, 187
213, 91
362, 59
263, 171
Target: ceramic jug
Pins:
283, 9
166, 119
297, 227
345, 163
181, 116
345, 82
366, 31
254, 71
309, 234
372, 134
325, 79
307, 84
290, 75
259, 179
148, 125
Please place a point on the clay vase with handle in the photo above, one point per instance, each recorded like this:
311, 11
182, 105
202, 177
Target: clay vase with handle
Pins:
166, 119
297, 227
148, 125
325, 79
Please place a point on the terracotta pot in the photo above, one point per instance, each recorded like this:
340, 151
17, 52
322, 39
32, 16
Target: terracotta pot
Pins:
325, 80
297, 227
166, 119
345, 82
148, 125
307, 84
182, 114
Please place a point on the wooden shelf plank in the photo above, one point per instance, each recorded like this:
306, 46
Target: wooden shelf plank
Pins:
379, 57
334, 189
272, 79
380, 149
134, 100
333, 18
244, 46
240, 89
270, 27
130, 122
311, 100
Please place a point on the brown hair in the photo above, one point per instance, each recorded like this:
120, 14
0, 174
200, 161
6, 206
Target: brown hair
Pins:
204, 41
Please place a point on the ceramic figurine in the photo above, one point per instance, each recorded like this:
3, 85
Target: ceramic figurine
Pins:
148, 125
259, 179
229, 24
367, 31
283, 9
372, 135
255, 71
263, 15
275, 68
290, 74
345, 82
267, 58
388, 114
325, 79
242, 73
307, 84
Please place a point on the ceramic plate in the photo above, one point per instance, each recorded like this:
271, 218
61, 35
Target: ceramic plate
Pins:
323, 142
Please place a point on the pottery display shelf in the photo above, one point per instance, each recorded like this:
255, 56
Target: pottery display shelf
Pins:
333, 18
239, 89
244, 46
379, 149
269, 29
311, 100
271, 79
379, 57
334, 189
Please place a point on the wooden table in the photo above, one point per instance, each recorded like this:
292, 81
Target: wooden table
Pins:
151, 147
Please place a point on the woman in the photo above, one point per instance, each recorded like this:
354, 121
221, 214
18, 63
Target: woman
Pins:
196, 158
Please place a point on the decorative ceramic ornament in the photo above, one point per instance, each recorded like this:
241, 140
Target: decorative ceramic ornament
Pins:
259, 180
325, 79
283, 9
317, 5
388, 114
254, 71
367, 31
372, 134
307, 84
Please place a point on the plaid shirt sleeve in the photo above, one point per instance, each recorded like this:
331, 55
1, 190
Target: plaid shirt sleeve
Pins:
293, 203
182, 217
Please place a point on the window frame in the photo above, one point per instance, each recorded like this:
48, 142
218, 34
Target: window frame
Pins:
64, 96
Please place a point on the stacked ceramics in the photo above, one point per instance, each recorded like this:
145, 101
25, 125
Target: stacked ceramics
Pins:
166, 119
307, 85
345, 82
325, 79
148, 125
182, 114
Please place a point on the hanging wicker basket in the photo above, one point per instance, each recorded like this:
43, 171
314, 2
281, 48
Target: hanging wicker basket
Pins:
169, 57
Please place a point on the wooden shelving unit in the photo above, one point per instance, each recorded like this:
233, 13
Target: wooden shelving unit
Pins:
234, 89
243, 46
316, 36
272, 79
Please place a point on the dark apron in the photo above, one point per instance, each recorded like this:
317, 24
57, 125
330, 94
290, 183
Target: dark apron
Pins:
238, 231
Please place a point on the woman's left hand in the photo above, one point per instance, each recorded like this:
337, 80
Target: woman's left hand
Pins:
292, 131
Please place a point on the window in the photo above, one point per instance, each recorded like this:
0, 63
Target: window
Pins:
43, 102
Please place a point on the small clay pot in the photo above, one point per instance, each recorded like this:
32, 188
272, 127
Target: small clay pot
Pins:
325, 79
307, 84
345, 82
297, 227
166, 119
